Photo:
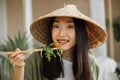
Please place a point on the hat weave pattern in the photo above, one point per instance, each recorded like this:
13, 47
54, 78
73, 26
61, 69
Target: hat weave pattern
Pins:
96, 35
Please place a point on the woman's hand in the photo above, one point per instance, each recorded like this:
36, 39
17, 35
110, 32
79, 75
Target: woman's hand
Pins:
17, 58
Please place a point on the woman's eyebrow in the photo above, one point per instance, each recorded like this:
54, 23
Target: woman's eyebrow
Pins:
56, 21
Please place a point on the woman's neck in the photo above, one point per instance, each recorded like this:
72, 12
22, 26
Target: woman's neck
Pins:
68, 54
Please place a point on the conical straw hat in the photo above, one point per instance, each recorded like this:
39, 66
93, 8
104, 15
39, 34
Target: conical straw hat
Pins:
96, 35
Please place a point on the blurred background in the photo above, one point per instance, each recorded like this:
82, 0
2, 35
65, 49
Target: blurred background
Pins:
17, 15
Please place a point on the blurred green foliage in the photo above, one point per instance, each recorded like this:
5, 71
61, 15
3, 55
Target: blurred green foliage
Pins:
19, 41
116, 29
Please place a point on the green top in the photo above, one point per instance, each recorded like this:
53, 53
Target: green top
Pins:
32, 68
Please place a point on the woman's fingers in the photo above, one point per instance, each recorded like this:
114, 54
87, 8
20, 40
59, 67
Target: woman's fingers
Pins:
17, 58
19, 62
17, 51
20, 56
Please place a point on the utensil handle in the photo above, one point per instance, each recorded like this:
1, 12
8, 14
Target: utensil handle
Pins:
26, 51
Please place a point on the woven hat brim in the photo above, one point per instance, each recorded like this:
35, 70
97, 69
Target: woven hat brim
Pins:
96, 35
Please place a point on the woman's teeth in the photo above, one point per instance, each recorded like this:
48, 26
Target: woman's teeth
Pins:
63, 41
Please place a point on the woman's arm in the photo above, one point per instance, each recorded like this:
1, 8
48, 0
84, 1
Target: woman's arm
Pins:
18, 73
17, 59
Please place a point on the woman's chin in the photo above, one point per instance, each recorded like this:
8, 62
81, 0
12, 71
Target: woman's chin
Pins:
64, 48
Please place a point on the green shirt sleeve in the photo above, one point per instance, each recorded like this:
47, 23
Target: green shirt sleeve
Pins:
32, 67
94, 68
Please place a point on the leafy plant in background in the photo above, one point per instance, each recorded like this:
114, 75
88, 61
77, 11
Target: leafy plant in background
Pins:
116, 29
19, 41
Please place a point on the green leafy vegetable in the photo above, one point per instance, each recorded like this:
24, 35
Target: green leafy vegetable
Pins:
49, 50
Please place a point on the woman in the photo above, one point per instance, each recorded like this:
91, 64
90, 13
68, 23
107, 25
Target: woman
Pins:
76, 34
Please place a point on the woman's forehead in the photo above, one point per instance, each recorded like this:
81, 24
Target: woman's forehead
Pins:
65, 19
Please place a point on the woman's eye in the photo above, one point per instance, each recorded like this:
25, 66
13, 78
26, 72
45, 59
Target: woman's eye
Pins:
71, 27
55, 26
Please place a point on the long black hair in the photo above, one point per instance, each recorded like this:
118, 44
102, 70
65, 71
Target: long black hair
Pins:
81, 69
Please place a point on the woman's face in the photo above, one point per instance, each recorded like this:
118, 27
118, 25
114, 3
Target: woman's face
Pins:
63, 32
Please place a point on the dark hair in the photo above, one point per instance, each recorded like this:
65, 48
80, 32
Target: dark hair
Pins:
81, 68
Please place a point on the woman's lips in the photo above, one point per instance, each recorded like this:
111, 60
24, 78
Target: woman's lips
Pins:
62, 41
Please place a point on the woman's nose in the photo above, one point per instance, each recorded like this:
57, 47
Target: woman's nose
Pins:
62, 32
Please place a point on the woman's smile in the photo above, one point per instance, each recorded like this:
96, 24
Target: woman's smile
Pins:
62, 41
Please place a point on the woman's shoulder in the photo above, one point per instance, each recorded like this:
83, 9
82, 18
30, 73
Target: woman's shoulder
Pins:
92, 59
94, 68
